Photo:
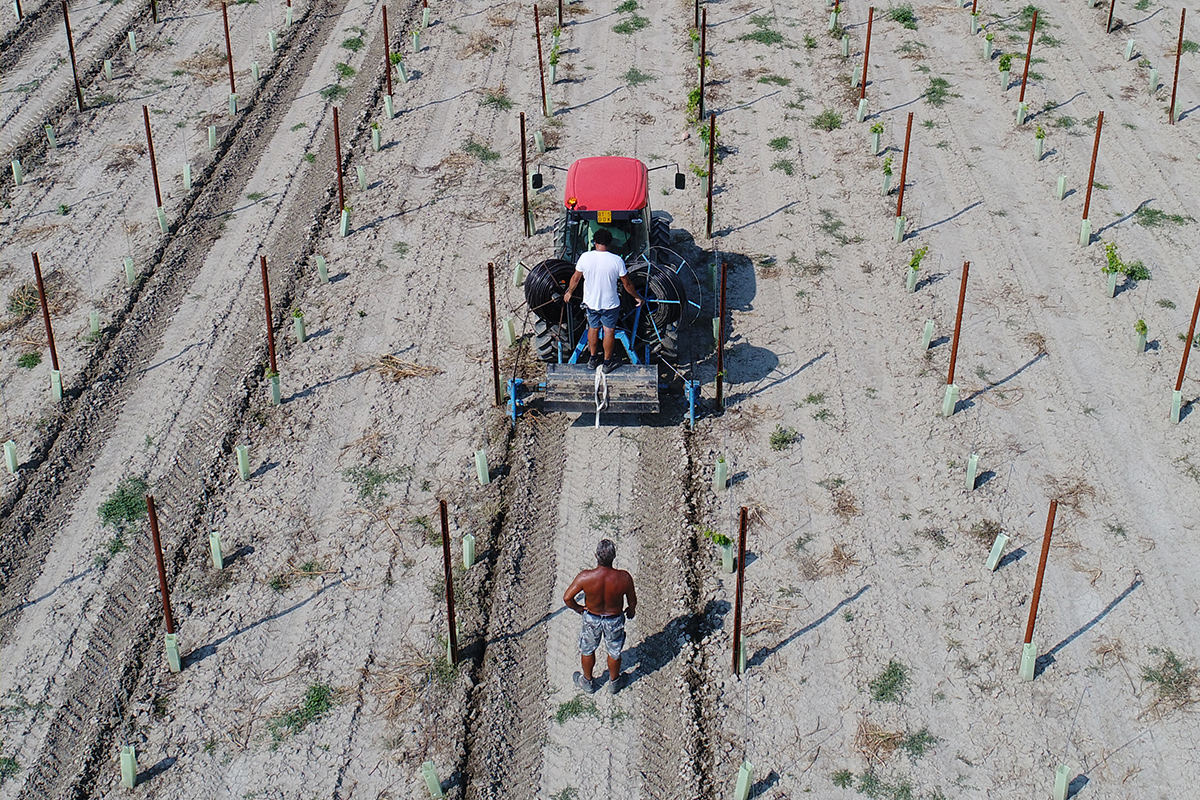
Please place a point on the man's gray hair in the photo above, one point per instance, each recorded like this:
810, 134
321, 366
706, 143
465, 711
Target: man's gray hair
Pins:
606, 551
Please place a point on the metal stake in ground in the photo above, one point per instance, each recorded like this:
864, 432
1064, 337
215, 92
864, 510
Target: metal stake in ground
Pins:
228, 47
1112, 6
387, 53
37, 273
524, 187
449, 582
1178, 53
262, 262
1085, 230
721, 342
951, 398
495, 346
537, 31
741, 585
1029, 654
560, 15
158, 557
899, 233
337, 156
1028, 55
862, 94
71, 49
696, 24
712, 151
1177, 400
153, 163
154, 11
703, 59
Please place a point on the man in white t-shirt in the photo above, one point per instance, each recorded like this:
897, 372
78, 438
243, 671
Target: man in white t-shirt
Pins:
600, 270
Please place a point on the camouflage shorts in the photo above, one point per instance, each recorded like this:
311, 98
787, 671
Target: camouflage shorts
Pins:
611, 628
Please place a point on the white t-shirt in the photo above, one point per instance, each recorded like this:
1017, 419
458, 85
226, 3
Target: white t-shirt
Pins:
600, 274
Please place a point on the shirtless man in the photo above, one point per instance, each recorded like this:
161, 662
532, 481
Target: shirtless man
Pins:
605, 592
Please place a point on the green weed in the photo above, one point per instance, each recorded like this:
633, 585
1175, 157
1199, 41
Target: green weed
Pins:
827, 120
497, 99
126, 505
786, 167
29, 360
919, 743
775, 80
354, 44
577, 706
345, 70
372, 483
903, 15
1174, 679
334, 92
631, 25
635, 77
317, 702
480, 151
889, 686
1154, 217
1133, 270
782, 438
628, 7
1190, 47
938, 92
780, 143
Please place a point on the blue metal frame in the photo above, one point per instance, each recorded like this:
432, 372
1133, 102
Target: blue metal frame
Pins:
515, 404
693, 394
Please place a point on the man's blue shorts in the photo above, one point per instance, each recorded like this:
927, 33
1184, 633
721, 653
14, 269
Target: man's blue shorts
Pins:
603, 319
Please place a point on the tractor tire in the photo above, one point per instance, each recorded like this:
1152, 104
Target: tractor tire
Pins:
660, 232
546, 337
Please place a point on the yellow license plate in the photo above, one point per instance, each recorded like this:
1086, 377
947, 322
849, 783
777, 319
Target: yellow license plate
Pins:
604, 217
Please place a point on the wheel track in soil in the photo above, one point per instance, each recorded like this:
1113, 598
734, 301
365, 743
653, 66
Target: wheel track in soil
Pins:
75, 745
173, 264
22, 127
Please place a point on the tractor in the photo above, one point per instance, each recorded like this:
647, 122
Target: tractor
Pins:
611, 192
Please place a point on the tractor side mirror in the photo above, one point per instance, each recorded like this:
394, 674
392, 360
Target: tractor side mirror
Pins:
680, 181
536, 182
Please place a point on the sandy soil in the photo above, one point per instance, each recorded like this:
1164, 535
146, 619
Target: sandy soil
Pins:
315, 663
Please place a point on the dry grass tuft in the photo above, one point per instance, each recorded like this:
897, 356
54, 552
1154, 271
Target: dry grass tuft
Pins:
985, 531
875, 743
809, 567
1109, 651
395, 368
840, 559
496, 20
399, 686
1036, 341
845, 504
125, 156
207, 66
1071, 492
479, 43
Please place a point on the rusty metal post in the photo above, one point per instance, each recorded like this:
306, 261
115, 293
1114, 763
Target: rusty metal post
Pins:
524, 183
71, 49
712, 151
495, 346
962, 298
537, 30
37, 273
866, 53
741, 586
153, 163
1028, 55
1112, 6
154, 11
1178, 54
1087, 200
974, 6
158, 557
387, 53
1041, 571
21, 14
449, 583
337, 147
904, 167
696, 24
228, 47
721, 342
1187, 346
703, 54
560, 15
262, 261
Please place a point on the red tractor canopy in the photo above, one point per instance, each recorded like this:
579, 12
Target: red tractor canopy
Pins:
607, 183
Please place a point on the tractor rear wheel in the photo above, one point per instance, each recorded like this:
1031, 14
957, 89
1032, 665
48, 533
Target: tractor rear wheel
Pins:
546, 339
660, 232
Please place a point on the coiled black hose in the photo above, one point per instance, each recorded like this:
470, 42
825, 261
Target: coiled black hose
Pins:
656, 284
544, 287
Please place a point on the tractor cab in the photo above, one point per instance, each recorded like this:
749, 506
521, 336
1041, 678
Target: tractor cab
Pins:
609, 192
